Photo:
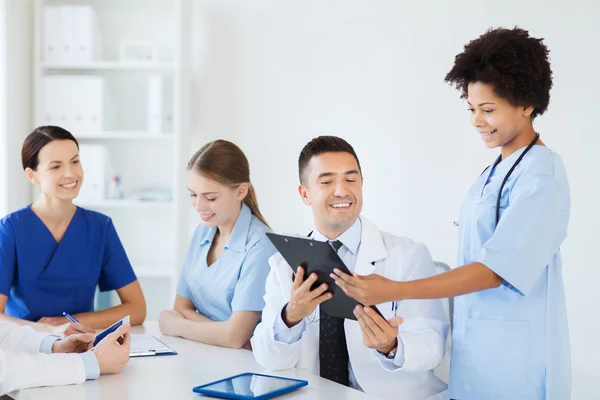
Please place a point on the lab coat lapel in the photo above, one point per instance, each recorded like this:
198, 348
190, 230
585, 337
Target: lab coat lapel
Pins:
371, 248
285, 276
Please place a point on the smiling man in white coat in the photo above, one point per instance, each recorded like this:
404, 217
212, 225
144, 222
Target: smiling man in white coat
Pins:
389, 358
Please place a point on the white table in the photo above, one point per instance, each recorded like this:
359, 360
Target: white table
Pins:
173, 377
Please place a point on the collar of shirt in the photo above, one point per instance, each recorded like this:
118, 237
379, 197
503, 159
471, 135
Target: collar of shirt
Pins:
239, 235
501, 167
349, 238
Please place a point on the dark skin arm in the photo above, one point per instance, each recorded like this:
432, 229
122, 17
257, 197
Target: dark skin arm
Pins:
375, 289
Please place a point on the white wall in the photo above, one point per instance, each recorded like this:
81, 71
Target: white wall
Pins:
15, 101
273, 74
3, 109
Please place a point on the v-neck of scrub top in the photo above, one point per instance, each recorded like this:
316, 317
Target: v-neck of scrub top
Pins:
501, 167
48, 231
54, 252
234, 243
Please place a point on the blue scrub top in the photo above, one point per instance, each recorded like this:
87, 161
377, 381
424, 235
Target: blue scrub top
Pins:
43, 279
512, 342
236, 280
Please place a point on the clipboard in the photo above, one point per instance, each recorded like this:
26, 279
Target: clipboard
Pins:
149, 346
320, 258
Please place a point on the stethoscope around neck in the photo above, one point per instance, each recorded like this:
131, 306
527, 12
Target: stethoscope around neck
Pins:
510, 171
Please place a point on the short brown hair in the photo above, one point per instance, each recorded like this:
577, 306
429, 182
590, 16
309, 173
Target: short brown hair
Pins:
320, 145
226, 163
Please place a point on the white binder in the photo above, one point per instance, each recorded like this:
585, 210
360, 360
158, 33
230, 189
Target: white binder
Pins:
94, 159
86, 44
160, 104
155, 107
67, 36
51, 45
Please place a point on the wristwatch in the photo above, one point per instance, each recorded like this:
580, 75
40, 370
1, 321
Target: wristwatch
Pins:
391, 355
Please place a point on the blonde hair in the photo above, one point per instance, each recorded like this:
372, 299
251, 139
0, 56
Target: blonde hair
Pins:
226, 163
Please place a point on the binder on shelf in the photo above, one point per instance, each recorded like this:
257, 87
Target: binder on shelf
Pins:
70, 34
155, 94
79, 104
87, 39
160, 104
93, 102
51, 34
167, 104
67, 37
97, 173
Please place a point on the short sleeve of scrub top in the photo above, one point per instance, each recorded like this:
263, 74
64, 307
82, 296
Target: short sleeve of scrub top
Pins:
526, 237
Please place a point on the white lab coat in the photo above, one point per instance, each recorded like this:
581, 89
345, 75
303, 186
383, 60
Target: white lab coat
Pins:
22, 366
423, 331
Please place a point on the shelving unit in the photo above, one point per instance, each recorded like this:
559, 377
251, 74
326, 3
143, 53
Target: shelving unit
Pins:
126, 135
111, 66
128, 204
154, 233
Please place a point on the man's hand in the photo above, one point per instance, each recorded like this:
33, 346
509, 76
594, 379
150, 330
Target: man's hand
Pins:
303, 301
112, 352
377, 333
78, 343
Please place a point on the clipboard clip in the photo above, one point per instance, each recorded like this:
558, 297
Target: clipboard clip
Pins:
150, 352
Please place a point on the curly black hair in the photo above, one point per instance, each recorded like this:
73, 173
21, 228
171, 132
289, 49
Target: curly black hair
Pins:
510, 60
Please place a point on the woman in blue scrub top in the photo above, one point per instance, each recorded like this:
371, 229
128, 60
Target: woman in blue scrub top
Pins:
220, 292
510, 338
53, 254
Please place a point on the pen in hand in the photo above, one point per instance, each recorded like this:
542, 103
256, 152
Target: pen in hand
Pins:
76, 326
71, 318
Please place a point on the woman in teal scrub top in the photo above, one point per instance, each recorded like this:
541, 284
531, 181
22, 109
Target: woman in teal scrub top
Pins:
53, 254
222, 285
510, 337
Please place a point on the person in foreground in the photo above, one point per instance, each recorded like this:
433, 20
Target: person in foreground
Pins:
510, 337
382, 357
30, 359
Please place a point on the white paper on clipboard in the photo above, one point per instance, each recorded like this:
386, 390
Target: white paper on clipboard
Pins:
147, 345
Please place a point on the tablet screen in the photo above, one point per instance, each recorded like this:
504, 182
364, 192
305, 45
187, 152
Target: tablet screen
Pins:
110, 330
250, 385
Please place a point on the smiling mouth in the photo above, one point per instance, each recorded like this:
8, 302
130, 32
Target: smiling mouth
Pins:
341, 206
206, 217
488, 133
70, 186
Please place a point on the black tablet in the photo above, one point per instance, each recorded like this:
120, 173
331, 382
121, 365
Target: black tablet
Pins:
320, 258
